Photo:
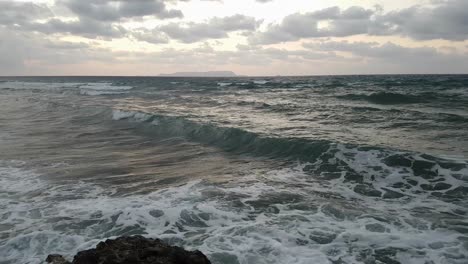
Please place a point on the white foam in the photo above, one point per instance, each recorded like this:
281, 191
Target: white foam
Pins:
100, 92
103, 88
118, 114
222, 84
260, 82
235, 221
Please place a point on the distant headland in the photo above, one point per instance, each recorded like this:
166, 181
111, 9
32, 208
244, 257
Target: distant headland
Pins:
201, 74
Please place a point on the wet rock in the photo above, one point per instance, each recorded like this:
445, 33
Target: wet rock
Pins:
397, 161
367, 190
134, 250
56, 259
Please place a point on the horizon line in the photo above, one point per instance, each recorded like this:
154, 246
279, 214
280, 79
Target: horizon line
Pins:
237, 76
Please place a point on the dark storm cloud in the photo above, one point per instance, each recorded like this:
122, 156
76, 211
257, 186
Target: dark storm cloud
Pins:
215, 28
446, 20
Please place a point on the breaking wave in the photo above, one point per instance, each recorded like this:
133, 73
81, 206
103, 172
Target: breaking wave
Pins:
370, 171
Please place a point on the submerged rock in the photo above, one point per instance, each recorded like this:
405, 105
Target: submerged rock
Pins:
133, 250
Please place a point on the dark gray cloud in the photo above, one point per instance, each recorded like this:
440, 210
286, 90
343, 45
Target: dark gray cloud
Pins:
14, 13
24, 17
116, 10
373, 49
445, 20
19, 49
399, 58
347, 22
215, 28
83, 27
154, 36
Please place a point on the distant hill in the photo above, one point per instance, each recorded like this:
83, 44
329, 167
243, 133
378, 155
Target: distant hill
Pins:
201, 74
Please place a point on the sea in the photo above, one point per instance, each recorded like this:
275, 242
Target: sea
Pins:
307, 170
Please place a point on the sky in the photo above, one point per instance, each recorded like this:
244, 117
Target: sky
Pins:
249, 37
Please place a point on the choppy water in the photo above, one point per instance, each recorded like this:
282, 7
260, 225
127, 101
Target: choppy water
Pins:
356, 169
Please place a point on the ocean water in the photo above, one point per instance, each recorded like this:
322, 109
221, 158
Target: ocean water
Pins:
331, 169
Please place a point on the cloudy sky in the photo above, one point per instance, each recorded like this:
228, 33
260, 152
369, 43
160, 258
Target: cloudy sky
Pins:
249, 37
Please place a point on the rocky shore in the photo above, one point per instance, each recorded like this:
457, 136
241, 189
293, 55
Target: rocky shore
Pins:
133, 250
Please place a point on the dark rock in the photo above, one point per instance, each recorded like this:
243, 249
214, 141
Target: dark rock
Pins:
134, 250
367, 190
56, 259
